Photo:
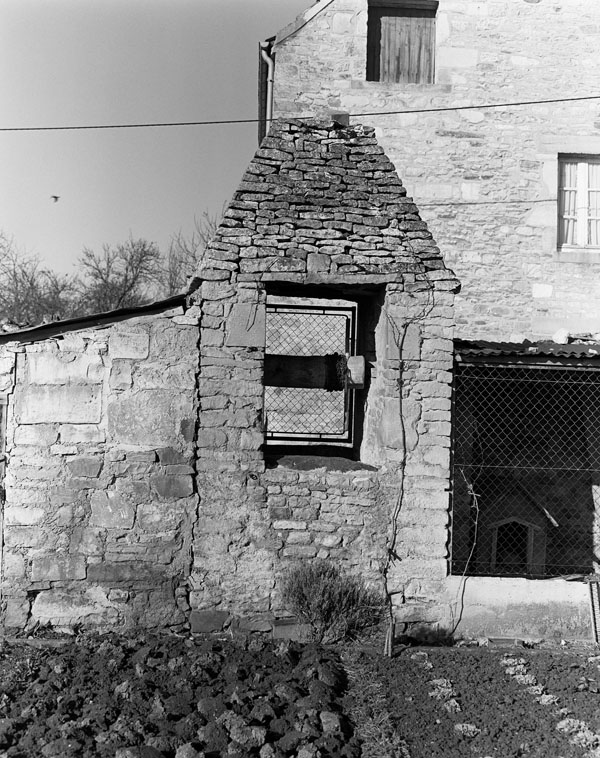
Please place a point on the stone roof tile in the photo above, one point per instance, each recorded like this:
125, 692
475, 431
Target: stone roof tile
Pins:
320, 187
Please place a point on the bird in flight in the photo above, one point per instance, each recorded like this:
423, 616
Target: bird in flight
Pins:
55, 198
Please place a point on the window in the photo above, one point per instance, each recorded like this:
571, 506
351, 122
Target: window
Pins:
578, 201
308, 392
526, 469
401, 41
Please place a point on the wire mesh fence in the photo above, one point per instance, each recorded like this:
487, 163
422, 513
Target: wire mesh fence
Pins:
300, 413
526, 470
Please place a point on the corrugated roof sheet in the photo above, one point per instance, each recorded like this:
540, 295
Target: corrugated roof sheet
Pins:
482, 348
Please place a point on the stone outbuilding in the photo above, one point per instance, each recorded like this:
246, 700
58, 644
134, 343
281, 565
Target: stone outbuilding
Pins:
168, 464
325, 373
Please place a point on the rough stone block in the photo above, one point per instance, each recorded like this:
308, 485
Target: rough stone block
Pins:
87, 540
172, 487
64, 515
57, 567
202, 622
170, 456
212, 438
110, 511
246, 325
318, 262
66, 608
84, 467
411, 613
153, 517
328, 540
154, 416
24, 536
42, 435
16, 515
120, 375
284, 525
299, 551
132, 344
125, 571
299, 538
60, 368
288, 629
16, 613
75, 404
14, 565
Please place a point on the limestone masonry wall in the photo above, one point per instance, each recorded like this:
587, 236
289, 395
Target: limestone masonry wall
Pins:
485, 179
322, 213
140, 486
99, 487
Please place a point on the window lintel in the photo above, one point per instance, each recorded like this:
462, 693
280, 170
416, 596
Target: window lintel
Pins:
429, 5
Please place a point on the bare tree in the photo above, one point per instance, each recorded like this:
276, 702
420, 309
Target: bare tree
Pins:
185, 253
31, 294
119, 276
123, 275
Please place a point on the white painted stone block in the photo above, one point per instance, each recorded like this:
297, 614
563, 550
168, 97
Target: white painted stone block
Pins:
129, 344
77, 403
42, 435
59, 367
16, 515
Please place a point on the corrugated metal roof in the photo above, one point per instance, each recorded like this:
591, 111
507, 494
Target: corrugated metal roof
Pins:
483, 348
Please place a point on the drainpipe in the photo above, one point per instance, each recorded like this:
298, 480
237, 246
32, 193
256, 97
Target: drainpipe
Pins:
265, 49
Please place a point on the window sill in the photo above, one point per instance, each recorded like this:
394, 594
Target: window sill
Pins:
579, 254
310, 462
395, 86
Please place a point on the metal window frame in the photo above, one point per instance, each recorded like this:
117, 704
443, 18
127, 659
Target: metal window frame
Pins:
319, 438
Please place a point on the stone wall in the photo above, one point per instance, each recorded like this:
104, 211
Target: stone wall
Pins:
321, 213
485, 179
100, 494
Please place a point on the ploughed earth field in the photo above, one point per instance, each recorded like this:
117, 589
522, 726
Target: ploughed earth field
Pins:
152, 695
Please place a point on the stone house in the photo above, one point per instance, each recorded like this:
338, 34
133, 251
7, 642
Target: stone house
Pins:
496, 138
167, 464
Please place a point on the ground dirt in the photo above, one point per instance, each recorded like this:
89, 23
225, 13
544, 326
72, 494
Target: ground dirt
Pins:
181, 696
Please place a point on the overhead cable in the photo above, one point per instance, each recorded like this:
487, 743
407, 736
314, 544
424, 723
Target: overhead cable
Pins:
441, 109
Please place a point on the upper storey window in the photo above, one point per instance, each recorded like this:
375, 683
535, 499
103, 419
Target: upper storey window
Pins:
401, 41
578, 201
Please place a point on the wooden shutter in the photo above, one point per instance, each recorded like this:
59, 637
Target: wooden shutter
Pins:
400, 45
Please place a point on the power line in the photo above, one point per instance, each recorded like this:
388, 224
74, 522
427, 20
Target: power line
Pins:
441, 109
452, 204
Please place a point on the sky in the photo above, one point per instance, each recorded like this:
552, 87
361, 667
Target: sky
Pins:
86, 62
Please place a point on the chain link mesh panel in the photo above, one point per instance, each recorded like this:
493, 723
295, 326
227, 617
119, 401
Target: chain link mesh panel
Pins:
296, 413
526, 471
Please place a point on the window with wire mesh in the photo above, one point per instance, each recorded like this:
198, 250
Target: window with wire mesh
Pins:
305, 394
526, 470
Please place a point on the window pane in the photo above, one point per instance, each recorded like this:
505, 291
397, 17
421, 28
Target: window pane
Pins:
567, 203
303, 412
593, 237
313, 332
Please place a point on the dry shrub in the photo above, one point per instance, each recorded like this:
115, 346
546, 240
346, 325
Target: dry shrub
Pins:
335, 606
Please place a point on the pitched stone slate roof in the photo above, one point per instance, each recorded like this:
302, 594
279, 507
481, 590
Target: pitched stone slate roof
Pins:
321, 202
